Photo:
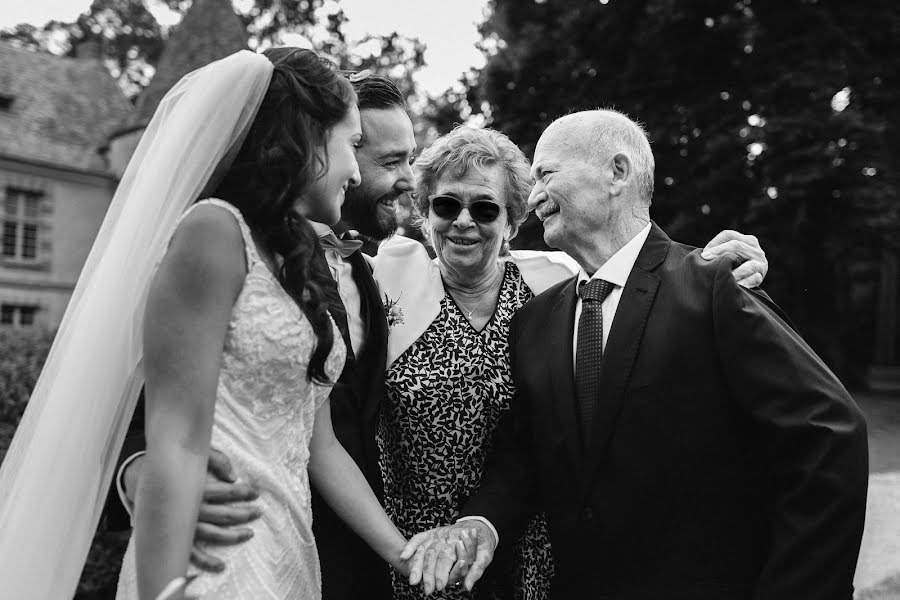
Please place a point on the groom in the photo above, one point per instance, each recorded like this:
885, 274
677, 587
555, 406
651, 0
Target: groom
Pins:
682, 438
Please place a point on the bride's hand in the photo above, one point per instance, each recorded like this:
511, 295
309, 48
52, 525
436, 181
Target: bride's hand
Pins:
402, 567
397, 563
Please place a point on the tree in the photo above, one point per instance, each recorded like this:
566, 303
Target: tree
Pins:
132, 39
770, 117
826, 166
392, 55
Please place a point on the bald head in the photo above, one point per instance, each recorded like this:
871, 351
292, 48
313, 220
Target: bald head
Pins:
599, 134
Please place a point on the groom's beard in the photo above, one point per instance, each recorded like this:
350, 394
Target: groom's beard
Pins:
373, 218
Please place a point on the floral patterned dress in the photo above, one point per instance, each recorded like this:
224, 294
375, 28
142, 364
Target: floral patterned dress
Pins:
445, 397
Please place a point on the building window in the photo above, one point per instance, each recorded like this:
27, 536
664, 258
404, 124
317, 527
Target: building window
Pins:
17, 315
21, 211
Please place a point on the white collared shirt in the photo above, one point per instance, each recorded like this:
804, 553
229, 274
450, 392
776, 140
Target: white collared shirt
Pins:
342, 272
616, 271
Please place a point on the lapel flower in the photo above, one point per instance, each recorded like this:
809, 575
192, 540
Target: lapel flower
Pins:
392, 311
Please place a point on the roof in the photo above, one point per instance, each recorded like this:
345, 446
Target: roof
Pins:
209, 31
63, 109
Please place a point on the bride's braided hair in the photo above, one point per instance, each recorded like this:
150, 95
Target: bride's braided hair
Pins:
281, 156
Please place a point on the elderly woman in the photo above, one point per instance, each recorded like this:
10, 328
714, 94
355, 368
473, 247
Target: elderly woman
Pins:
448, 379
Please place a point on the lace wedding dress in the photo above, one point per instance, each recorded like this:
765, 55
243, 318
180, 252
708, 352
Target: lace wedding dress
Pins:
265, 408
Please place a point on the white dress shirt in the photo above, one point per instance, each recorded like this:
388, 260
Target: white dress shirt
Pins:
342, 272
616, 271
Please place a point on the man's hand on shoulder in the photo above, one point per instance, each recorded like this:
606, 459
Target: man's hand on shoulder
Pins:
223, 514
754, 266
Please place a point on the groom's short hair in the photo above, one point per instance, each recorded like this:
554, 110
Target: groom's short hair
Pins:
375, 91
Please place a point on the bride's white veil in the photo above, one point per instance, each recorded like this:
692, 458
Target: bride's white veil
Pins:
54, 480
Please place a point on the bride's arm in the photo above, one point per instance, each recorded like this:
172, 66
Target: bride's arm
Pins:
339, 480
188, 310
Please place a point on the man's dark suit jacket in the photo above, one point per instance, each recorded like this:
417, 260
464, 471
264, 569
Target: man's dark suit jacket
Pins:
350, 569
727, 461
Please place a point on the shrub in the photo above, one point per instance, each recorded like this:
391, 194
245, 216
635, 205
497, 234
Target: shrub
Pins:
22, 354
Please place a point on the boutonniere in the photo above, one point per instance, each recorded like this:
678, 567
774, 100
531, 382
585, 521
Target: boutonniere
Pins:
392, 311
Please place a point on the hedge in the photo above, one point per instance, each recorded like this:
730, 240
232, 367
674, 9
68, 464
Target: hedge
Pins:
22, 354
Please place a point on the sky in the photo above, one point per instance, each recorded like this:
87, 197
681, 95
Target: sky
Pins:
448, 28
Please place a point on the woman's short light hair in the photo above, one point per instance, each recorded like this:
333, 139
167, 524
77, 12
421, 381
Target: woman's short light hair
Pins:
466, 148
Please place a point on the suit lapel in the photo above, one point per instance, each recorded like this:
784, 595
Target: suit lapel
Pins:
562, 370
623, 344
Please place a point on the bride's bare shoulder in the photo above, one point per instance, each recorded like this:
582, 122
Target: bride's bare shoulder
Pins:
207, 247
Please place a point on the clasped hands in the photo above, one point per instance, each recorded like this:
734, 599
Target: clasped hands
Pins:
450, 556
454, 555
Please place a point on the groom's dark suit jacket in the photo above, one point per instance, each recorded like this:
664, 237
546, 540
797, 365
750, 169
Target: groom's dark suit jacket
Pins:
350, 569
726, 461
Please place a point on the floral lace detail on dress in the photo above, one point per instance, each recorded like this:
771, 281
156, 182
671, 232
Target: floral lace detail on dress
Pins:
263, 421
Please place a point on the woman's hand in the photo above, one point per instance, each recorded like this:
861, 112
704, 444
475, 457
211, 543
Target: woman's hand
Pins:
401, 566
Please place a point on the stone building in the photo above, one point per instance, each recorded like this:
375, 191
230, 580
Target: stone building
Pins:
55, 115
66, 135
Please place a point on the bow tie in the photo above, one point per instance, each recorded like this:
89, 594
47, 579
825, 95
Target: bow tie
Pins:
330, 241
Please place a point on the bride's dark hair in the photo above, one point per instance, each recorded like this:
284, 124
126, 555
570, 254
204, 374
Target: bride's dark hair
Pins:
281, 156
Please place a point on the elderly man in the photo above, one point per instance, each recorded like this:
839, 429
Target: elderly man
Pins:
683, 440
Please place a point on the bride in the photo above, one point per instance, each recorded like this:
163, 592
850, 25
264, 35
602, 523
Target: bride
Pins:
220, 311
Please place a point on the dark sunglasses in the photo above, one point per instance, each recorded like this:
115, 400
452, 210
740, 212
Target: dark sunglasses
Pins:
448, 207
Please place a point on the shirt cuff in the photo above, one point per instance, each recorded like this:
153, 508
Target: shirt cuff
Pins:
174, 586
120, 485
486, 522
